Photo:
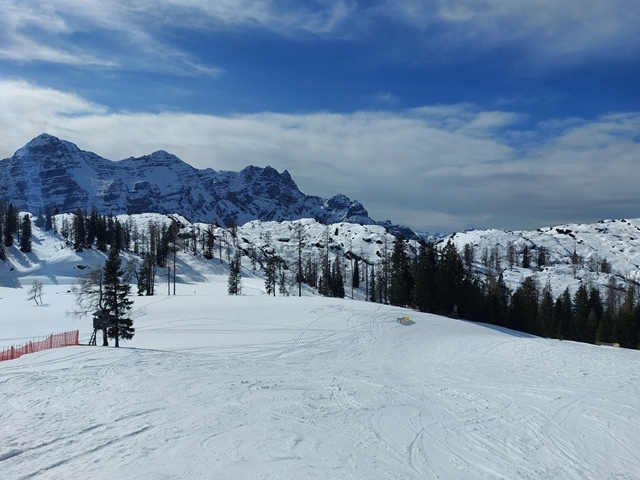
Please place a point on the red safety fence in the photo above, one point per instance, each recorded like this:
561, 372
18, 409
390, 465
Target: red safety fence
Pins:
55, 340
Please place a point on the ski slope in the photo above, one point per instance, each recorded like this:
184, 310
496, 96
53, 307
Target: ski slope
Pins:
257, 387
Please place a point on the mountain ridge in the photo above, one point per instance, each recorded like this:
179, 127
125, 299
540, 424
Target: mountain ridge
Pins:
49, 171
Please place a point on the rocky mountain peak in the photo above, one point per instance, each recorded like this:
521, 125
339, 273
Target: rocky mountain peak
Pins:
48, 171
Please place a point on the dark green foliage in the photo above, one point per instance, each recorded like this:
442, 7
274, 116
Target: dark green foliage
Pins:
25, 234
10, 227
336, 281
234, 284
79, 231
545, 326
424, 289
400, 280
563, 312
497, 303
271, 270
450, 277
524, 306
526, 259
355, 280
116, 299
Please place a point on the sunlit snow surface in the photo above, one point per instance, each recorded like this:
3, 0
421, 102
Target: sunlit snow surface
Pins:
256, 387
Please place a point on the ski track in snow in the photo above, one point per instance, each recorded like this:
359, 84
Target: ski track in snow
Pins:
289, 388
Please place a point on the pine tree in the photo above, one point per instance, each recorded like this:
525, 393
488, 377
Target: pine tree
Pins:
25, 234
497, 302
524, 306
235, 279
355, 279
563, 313
10, 225
116, 299
526, 260
400, 281
299, 237
336, 280
511, 255
372, 284
79, 231
581, 309
545, 313
450, 278
271, 271
424, 288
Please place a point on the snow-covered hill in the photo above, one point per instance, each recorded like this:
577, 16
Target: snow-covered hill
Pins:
574, 253
257, 387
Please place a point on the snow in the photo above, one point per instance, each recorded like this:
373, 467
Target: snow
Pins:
261, 387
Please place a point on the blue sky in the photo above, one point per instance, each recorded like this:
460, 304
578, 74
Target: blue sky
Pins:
442, 115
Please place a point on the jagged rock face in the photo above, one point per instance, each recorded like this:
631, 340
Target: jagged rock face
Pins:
53, 172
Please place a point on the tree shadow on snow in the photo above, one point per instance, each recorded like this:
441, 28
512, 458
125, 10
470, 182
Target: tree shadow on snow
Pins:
498, 328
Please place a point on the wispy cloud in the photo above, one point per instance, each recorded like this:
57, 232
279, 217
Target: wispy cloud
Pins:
543, 32
138, 35
441, 167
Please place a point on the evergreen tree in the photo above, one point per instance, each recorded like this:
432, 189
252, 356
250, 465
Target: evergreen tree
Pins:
526, 259
451, 275
299, 237
625, 330
209, 242
497, 303
79, 231
271, 271
372, 284
25, 234
116, 299
235, 279
336, 280
355, 279
545, 314
563, 314
10, 225
596, 311
400, 281
579, 329
424, 289
511, 255
542, 257
524, 306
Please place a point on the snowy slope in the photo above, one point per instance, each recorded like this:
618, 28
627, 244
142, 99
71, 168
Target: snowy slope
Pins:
261, 387
256, 387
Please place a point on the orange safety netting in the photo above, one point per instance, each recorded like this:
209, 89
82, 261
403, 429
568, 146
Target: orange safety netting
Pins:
55, 340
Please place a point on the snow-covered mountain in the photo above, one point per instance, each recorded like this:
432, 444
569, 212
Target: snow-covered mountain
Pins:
591, 253
48, 171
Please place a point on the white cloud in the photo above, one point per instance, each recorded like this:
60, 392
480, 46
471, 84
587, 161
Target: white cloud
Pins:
439, 167
548, 31
133, 35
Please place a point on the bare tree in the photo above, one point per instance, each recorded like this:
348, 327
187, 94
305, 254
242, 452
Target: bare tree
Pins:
35, 292
89, 291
